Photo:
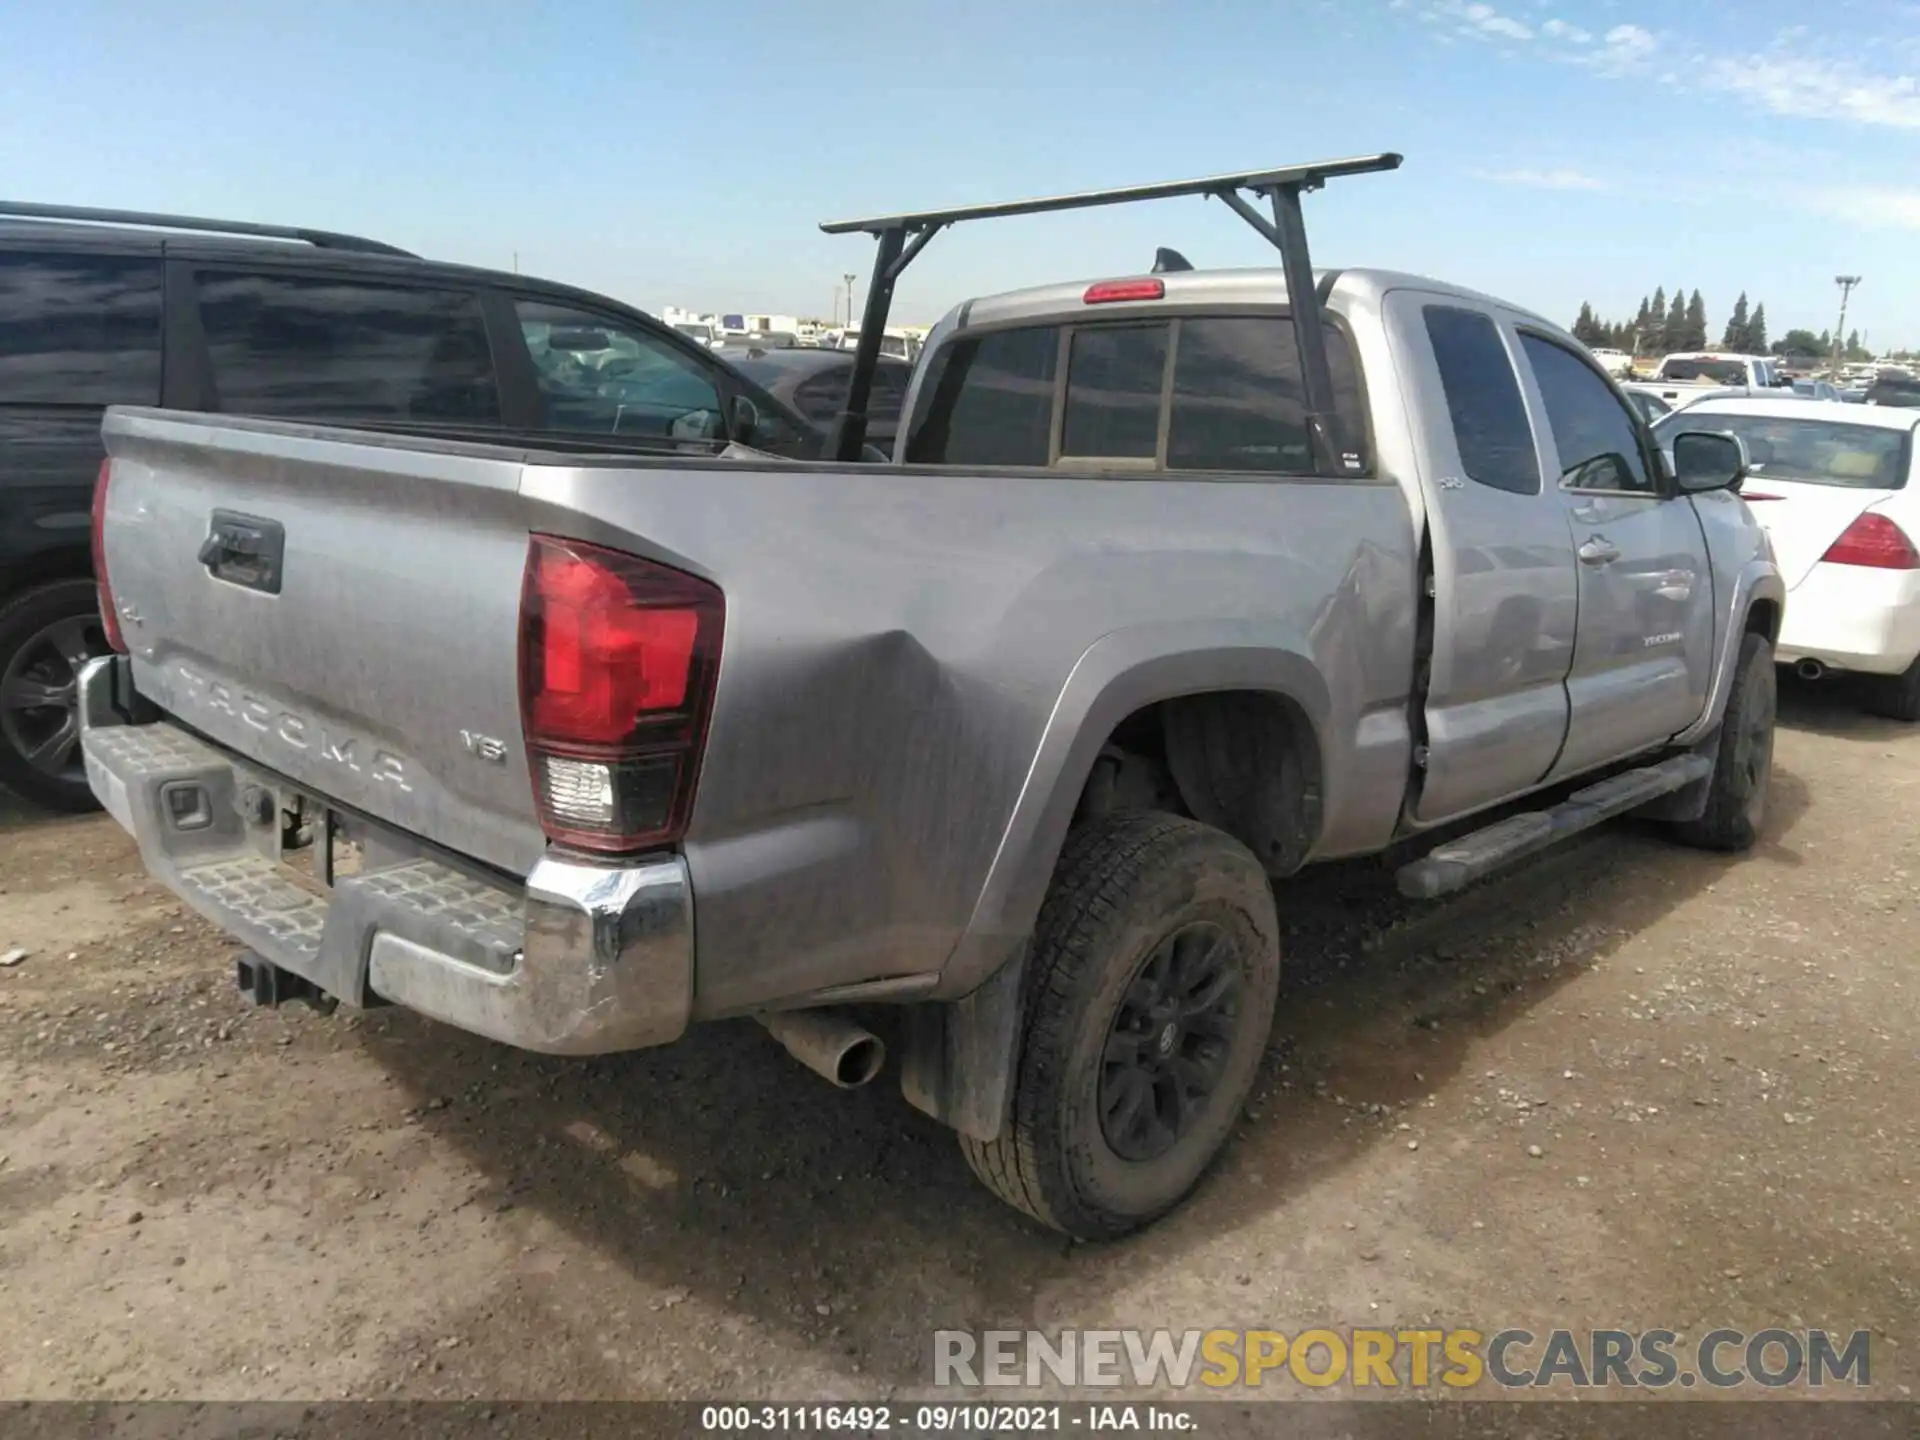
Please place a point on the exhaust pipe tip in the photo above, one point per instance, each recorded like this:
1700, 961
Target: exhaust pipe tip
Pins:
860, 1063
1809, 669
840, 1052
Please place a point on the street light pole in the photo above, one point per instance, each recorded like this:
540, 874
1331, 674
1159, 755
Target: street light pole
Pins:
849, 278
1846, 284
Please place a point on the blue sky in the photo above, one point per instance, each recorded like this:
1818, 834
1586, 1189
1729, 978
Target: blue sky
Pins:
1557, 150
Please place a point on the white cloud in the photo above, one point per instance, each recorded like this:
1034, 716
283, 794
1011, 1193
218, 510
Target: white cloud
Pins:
1479, 21
1876, 207
1789, 77
1808, 87
1490, 21
1543, 179
1622, 49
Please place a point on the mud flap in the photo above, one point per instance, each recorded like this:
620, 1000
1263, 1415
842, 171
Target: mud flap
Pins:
1689, 802
960, 1054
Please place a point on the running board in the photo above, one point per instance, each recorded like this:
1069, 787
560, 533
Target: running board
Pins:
1458, 863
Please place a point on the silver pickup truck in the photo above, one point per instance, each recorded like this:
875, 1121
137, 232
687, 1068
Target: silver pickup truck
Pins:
1179, 584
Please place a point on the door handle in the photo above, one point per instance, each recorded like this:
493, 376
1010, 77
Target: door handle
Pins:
1599, 551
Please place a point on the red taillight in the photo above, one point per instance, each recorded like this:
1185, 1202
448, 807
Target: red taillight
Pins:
1107, 291
1874, 541
618, 660
109, 616
1751, 495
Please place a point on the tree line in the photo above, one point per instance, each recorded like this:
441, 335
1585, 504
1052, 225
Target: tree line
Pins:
1662, 326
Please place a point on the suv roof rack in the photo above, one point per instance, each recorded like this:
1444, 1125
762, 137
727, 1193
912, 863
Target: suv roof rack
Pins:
903, 237
320, 239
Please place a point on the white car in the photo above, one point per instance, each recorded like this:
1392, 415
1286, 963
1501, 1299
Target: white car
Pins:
1838, 492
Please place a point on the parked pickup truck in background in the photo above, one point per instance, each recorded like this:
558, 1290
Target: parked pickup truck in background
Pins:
574, 751
1682, 378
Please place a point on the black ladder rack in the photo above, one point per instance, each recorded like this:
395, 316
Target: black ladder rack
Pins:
903, 237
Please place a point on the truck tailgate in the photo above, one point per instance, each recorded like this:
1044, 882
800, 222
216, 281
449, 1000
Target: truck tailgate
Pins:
342, 613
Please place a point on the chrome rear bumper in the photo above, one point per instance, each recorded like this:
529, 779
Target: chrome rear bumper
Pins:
585, 957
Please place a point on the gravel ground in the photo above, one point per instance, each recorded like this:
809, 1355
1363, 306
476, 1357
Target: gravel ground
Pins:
1629, 1086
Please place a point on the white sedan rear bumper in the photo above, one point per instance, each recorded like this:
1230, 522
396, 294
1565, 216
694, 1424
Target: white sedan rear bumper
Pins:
1851, 617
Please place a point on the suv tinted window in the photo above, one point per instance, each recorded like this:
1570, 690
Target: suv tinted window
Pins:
79, 329
1237, 398
821, 396
605, 377
1114, 381
1598, 442
991, 401
316, 346
1483, 398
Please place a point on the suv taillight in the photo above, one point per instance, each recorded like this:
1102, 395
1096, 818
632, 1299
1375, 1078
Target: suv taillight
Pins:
618, 661
109, 616
1876, 542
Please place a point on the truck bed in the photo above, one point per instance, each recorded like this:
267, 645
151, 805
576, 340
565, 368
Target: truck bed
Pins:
908, 653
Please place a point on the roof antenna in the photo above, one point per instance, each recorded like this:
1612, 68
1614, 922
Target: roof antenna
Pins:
1165, 260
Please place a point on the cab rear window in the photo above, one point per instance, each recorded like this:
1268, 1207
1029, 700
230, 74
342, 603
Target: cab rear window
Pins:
1189, 393
990, 401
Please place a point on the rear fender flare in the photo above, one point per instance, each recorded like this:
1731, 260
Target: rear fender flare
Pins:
961, 1054
1118, 674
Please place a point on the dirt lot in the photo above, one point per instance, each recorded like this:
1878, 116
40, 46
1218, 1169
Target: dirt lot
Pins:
1717, 1062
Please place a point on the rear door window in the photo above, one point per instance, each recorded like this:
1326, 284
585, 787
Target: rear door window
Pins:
324, 347
1238, 403
1490, 426
990, 401
601, 376
79, 329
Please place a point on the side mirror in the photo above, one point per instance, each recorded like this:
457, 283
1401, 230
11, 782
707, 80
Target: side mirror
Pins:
743, 420
1705, 460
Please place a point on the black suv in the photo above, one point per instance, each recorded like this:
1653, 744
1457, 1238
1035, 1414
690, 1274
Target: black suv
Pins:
1893, 388
102, 307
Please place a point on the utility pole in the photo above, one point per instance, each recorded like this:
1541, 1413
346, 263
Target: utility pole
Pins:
1846, 284
849, 278
516, 262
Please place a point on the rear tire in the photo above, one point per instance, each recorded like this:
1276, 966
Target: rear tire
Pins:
1150, 995
1743, 758
1896, 697
46, 635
